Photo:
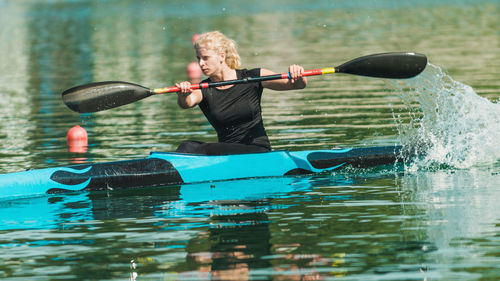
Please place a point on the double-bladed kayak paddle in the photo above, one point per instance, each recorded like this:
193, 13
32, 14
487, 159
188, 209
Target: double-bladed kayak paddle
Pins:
100, 96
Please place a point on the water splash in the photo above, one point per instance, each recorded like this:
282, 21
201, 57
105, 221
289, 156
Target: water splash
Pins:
449, 123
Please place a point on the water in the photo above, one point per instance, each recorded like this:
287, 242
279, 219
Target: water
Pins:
432, 219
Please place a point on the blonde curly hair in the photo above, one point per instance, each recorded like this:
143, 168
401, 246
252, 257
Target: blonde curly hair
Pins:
220, 43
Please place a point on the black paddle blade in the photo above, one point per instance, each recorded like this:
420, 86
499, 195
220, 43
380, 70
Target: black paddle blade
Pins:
103, 95
387, 65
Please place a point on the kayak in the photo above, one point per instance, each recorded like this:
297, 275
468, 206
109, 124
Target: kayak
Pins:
167, 169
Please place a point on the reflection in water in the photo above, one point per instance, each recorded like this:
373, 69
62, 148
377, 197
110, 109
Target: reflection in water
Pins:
462, 203
224, 233
459, 214
45, 212
235, 247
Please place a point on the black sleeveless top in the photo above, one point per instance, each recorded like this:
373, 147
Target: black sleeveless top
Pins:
236, 113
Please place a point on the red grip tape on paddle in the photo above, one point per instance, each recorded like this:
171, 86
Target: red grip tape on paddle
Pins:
312, 72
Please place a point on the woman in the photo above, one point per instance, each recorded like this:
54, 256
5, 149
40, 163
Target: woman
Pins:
234, 110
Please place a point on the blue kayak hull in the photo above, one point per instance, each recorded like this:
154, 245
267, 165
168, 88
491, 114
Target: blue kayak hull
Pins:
164, 169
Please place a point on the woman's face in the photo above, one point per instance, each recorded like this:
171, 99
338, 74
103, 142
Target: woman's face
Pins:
210, 61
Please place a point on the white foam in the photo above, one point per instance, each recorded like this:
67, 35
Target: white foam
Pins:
449, 122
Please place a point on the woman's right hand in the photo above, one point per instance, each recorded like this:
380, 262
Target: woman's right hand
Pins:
185, 87
187, 98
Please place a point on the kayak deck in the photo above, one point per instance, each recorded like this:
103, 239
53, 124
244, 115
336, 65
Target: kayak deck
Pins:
164, 169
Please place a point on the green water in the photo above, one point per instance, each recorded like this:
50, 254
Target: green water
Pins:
437, 219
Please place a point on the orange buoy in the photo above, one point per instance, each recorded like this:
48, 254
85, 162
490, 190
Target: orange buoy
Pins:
194, 37
194, 72
77, 139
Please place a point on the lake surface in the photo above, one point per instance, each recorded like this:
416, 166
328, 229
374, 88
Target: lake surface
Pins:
436, 218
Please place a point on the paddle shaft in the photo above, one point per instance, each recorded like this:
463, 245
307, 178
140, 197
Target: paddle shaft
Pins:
312, 72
